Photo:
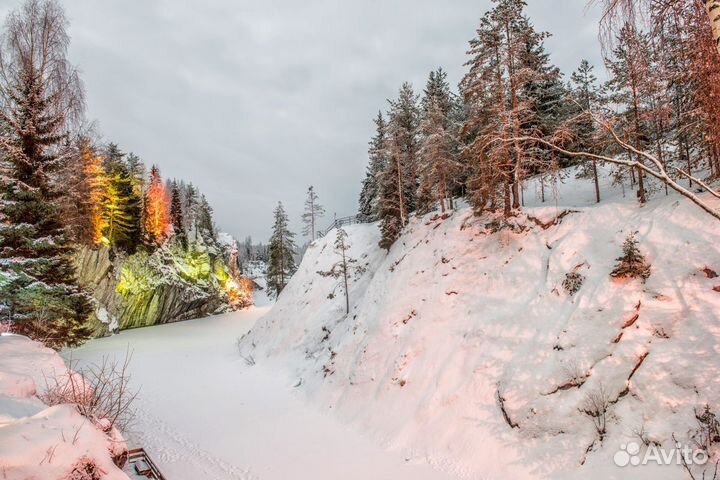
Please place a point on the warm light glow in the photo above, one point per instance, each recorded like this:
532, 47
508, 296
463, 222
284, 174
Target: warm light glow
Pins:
97, 184
157, 208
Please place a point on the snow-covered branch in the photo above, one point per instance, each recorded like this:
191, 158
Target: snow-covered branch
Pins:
656, 168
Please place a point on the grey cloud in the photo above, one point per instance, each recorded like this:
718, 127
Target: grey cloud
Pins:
255, 101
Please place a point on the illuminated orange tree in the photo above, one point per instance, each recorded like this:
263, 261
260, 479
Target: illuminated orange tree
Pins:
157, 211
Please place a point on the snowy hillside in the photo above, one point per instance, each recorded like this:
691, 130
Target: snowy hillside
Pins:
463, 349
38, 441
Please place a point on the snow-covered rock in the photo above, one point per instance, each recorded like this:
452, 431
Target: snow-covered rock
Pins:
463, 348
37, 441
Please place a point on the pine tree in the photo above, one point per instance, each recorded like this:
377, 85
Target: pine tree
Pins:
40, 96
587, 96
629, 68
313, 212
399, 180
370, 193
281, 264
392, 206
503, 63
403, 133
176, 216
438, 167
344, 267
156, 211
342, 246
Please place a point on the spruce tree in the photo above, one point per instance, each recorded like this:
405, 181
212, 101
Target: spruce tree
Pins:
281, 263
40, 96
189, 196
437, 91
176, 215
438, 167
632, 263
313, 212
370, 193
123, 204
204, 220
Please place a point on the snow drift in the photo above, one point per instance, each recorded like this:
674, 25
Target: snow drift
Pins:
37, 441
462, 347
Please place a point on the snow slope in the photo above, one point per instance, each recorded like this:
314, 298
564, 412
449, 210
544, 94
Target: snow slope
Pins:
459, 322
37, 441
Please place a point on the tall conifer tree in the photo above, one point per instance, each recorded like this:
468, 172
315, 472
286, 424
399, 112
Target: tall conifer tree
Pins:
40, 96
281, 264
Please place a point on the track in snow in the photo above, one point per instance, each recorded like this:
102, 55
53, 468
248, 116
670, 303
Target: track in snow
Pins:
203, 413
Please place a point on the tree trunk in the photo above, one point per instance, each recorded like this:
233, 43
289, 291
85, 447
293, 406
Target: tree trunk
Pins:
347, 293
401, 196
312, 216
595, 179
514, 121
641, 187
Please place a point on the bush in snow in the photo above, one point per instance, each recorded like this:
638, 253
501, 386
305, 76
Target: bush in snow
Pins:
631, 264
100, 392
573, 282
709, 429
85, 469
574, 373
596, 406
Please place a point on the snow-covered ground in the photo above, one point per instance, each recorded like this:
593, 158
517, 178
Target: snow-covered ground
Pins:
462, 355
38, 441
204, 413
461, 321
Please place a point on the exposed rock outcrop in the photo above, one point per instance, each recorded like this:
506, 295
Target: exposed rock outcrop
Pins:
148, 289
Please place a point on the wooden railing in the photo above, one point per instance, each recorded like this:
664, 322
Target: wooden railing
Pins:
341, 222
140, 464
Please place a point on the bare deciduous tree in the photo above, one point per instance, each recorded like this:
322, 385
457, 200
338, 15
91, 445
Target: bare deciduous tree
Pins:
651, 165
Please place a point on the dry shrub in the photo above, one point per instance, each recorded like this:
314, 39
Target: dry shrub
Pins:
596, 406
85, 469
100, 392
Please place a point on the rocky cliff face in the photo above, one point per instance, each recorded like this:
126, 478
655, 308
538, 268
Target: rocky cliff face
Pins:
150, 289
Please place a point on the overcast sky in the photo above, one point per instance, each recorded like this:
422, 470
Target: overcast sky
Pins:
253, 101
